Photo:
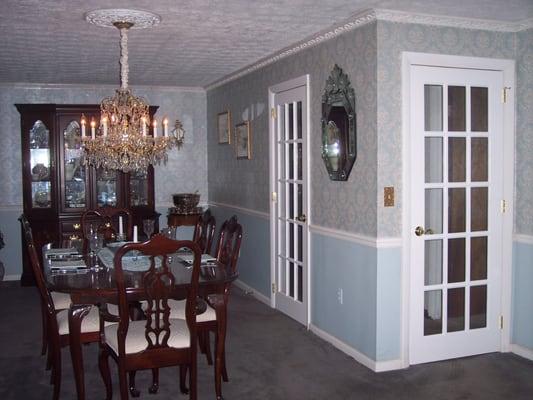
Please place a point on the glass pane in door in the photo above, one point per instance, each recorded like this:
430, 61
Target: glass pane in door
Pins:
41, 186
479, 109
433, 108
432, 312
74, 170
456, 108
139, 188
478, 307
106, 187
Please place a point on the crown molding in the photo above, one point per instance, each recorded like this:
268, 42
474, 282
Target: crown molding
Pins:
454, 22
369, 16
88, 86
354, 22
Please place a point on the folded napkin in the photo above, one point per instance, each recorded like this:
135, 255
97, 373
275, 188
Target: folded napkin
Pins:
67, 265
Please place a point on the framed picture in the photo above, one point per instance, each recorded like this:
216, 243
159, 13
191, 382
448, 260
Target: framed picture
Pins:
243, 145
224, 127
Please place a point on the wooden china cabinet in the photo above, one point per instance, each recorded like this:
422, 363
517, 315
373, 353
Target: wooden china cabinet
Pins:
58, 188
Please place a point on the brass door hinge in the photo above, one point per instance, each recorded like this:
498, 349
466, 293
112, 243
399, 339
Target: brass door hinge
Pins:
273, 288
501, 321
503, 206
273, 113
504, 94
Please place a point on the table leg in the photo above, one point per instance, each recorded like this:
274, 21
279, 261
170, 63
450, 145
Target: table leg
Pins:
75, 316
219, 348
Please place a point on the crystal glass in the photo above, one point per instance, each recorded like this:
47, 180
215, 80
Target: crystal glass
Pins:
148, 227
169, 232
96, 243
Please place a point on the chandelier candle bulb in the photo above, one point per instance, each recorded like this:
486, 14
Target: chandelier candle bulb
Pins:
143, 123
83, 127
135, 237
104, 123
155, 128
120, 226
93, 129
165, 127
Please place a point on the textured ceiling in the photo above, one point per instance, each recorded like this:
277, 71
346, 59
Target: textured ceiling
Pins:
197, 42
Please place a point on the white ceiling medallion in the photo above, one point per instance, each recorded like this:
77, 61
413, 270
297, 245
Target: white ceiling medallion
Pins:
108, 17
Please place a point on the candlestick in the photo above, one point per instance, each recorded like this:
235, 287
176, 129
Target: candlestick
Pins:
165, 127
93, 129
135, 238
155, 128
83, 126
120, 226
104, 123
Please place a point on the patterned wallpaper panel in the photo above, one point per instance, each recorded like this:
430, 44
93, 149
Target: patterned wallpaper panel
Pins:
393, 39
349, 206
186, 169
524, 133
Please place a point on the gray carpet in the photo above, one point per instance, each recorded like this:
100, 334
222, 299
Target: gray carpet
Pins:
269, 357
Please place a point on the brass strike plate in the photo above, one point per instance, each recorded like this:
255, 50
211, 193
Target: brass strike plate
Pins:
388, 196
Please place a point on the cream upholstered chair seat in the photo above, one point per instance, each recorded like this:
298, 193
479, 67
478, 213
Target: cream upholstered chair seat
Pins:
90, 323
136, 339
61, 300
177, 310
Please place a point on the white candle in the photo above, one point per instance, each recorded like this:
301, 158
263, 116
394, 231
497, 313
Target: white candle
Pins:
83, 127
135, 238
104, 123
155, 128
93, 129
120, 226
143, 122
165, 127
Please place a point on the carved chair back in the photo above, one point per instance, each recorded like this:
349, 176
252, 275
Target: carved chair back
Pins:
158, 283
106, 220
229, 243
204, 231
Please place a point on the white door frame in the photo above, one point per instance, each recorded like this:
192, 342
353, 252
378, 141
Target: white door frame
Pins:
272, 90
508, 69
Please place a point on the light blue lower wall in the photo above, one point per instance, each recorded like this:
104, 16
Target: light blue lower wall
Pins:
522, 295
339, 264
254, 261
11, 255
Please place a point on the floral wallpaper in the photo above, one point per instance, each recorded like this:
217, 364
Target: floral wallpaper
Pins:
186, 169
348, 206
394, 38
524, 133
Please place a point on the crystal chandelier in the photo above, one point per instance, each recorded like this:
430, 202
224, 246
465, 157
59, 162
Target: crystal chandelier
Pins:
122, 140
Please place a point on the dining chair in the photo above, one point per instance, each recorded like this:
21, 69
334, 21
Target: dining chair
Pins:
159, 341
57, 327
61, 300
204, 231
106, 219
214, 319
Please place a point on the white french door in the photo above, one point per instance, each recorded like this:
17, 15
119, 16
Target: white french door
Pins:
456, 149
290, 228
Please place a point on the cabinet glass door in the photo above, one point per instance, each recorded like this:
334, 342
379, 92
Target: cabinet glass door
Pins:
41, 185
138, 188
106, 187
75, 174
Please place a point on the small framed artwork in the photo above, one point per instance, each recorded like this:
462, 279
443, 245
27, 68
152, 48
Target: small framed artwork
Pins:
243, 145
224, 127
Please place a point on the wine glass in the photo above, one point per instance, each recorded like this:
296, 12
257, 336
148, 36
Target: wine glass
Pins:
96, 243
169, 232
148, 227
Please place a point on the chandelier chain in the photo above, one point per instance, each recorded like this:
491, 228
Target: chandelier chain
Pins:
124, 67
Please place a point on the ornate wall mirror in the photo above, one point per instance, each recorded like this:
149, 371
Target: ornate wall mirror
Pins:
339, 148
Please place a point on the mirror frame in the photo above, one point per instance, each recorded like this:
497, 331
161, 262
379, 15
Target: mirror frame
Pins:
339, 98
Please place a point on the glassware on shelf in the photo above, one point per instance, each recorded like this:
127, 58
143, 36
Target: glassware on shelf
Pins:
148, 227
169, 232
74, 170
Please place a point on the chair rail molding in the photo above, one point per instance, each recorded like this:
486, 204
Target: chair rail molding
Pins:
522, 238
253, 213
376, 242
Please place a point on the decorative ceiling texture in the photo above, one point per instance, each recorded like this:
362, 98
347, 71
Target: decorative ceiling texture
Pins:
197, 43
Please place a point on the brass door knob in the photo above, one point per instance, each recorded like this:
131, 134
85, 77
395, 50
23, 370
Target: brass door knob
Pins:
419, 231
301, 218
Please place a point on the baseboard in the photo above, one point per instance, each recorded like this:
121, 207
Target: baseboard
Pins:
15, 277
250, 290
376, 366
522, 351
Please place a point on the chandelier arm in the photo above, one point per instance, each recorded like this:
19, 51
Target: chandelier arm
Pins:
124, 67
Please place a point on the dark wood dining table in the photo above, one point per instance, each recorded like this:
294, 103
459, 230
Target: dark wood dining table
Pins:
88, 288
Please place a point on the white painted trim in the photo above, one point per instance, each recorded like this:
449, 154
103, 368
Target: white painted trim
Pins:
521, 238
378, 243
376, 366
12, 277
52, 86
508, 69
10, 207
522, 351
250, 290
253, 213
367, 17
454, 22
